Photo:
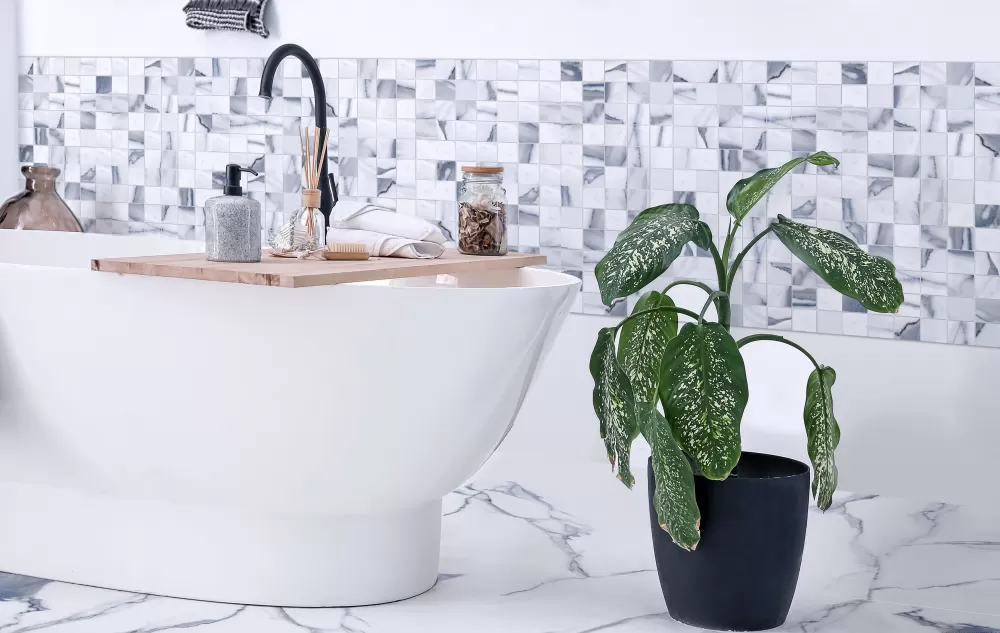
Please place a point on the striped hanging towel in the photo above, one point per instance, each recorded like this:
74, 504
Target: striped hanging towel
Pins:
228, 15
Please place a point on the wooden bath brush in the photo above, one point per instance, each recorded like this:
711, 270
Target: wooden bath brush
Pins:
345, 251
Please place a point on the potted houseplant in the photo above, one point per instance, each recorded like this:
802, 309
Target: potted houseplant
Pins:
733, 523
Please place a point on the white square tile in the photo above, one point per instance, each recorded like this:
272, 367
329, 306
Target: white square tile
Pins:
987, 193
828, 73
855, 96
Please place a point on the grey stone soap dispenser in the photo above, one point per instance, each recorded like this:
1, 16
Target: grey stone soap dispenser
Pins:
232, 222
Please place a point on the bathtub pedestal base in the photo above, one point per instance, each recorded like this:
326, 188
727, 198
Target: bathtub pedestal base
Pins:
211, 554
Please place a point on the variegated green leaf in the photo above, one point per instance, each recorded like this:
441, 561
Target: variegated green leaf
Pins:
824, 434
839, 262
674, 497
614, 404
704, 392
748, 192
647, 248
643, 339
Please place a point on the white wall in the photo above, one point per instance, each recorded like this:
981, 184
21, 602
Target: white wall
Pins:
919, 419
870, 30
10, 179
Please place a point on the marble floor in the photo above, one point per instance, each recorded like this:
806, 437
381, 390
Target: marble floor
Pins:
533, 548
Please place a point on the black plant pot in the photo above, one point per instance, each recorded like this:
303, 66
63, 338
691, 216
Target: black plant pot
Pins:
743, 574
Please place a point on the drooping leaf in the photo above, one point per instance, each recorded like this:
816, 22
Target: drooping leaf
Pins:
839, 262
674, 498
824, 434
643, 339
614, 404
647, 247
644, 418
748, 192
704, 392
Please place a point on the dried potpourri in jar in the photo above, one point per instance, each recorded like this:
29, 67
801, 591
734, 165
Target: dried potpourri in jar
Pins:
482, 212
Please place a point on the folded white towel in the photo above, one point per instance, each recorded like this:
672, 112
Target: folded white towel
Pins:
383, 245
371, 217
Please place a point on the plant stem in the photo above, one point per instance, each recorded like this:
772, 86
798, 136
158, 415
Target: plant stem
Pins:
687, 313
720, 266
687, 282
718, 294
697, 284
743, 253
720, 269
725, 312
777, 339
727, 250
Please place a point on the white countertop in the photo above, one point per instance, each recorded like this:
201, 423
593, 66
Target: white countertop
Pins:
535, 548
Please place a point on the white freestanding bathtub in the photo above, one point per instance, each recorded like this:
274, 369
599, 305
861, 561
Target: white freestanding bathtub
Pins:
242, 443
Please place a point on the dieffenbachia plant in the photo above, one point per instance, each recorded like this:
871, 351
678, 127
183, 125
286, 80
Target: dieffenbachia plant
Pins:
685, 390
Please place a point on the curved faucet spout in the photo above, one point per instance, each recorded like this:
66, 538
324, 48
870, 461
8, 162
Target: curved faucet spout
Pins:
327, 184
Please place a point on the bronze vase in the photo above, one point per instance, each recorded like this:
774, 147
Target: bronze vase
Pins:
38, 207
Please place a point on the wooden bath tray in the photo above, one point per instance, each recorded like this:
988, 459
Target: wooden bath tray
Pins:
303, 273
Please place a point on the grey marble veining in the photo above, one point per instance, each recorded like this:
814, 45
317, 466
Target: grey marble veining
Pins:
586, 145
569, 550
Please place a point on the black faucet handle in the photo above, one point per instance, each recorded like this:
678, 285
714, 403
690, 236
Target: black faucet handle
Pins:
333, 189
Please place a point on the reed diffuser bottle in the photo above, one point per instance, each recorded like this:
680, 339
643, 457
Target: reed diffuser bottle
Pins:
305, 233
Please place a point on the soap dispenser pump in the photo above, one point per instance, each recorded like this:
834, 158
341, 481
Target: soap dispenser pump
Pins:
232, 222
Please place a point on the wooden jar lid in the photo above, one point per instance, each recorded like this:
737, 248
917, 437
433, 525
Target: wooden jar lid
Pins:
477, 169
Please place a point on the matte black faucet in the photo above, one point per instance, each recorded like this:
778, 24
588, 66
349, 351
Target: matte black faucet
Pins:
327, 184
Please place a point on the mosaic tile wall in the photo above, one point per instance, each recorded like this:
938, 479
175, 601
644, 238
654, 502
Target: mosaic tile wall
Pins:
586, 145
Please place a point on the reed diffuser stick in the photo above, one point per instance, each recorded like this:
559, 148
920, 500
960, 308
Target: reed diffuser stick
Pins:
315, 148
309, 173
321, 157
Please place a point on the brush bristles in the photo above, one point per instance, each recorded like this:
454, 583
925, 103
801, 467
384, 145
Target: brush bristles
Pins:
347, 247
